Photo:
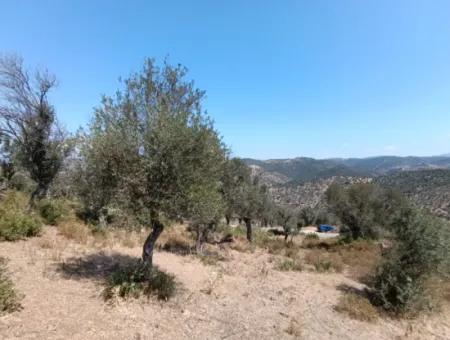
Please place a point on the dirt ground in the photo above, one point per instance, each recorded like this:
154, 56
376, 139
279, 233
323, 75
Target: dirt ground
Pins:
244, 297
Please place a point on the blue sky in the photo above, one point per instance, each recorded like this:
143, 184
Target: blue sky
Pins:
283, 78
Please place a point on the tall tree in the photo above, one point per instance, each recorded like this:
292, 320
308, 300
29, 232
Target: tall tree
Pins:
167, 155
28, 126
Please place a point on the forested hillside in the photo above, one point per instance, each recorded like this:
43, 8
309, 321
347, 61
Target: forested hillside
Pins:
428, 188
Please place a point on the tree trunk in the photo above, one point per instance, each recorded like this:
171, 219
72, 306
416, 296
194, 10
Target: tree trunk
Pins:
199, 241
147, 254
227, 219
248, 224
39, 193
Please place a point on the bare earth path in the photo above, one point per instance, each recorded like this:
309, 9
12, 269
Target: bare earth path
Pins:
242, 298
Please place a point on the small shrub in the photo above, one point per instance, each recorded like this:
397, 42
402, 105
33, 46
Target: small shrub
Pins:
357, 307
52, 211
15, 226
290, 265
139, 279
9, 299
15, 222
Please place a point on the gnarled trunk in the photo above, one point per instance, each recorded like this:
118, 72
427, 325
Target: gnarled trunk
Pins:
248, 224
147, 254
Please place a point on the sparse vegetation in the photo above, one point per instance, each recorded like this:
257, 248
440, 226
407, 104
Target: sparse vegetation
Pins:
9, 298
151, 170
323, 261
290, 265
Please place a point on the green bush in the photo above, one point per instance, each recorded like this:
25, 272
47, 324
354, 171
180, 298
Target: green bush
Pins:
9, 299
22, 182
138, 279
52, 211
420, 253
15, 222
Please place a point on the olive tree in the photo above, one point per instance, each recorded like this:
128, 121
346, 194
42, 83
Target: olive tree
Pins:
365, 209
154, 145
286, 218
420, 252
28, 126
236, 174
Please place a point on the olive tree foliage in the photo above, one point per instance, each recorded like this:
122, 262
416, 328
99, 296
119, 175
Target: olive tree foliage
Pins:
236, 174
252, 197
308, 216
364, 209
286, 217
29, 133
420, 251
243, 195
153, 150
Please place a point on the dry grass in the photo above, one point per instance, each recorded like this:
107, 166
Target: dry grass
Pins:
46, 243
310, 242
357, 307
241, 245
323, 261
176, 239
75, 230
362, 257
290, 265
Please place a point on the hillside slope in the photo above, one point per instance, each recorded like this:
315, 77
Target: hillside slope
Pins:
429, 189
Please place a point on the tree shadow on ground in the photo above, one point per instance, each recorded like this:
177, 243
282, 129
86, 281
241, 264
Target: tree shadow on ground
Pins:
97, 266
178, 248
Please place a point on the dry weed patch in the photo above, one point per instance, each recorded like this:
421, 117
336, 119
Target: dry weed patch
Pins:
323, 261
357, 307
290, 265
75, 230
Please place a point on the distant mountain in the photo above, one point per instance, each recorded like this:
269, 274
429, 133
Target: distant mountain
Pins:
304, 169
302, 182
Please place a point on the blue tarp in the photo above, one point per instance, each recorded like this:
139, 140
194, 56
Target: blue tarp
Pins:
324, 228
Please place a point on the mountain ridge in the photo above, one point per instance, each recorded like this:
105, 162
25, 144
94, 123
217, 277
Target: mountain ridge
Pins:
306, 168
